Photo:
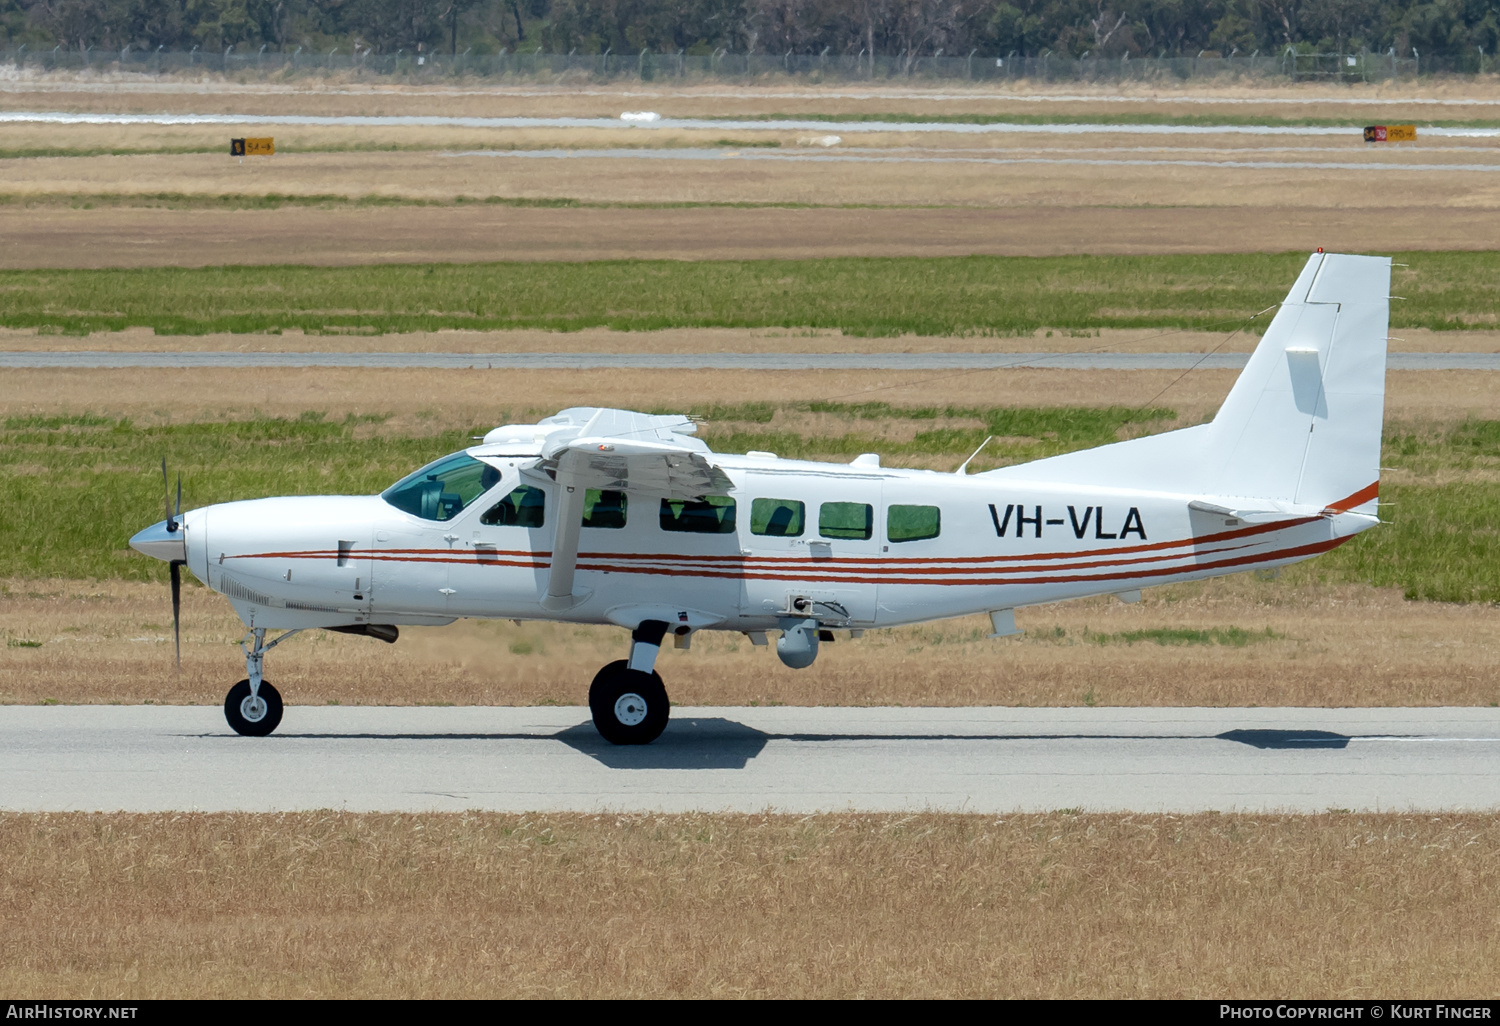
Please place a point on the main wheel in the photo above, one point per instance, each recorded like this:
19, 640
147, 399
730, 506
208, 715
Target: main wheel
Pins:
252, 718
629, 707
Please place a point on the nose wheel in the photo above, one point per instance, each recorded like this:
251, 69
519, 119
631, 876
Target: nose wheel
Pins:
253, 707
253, 715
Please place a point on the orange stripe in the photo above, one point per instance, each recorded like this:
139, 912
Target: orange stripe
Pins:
1243, 532
797, 570
1311, 549
1359, 498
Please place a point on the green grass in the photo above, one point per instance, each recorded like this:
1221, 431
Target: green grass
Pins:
864, 297
1024, 434
73, 489
1230, 637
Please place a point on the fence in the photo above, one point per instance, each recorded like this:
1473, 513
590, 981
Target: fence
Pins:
647, 66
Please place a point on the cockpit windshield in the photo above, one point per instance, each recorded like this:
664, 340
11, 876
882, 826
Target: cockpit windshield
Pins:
441, 490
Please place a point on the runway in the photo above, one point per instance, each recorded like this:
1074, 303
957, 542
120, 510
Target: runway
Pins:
709, 124
793, 760
101, 359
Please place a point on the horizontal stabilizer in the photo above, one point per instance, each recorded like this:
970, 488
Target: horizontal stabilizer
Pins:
1250, 516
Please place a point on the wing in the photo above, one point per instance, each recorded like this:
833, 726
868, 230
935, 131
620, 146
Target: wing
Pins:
654, 468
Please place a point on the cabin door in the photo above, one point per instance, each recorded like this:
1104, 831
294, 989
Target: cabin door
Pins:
811, 547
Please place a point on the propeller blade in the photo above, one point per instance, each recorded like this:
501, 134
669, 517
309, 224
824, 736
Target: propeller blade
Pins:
166, 492
175, 567
178, 511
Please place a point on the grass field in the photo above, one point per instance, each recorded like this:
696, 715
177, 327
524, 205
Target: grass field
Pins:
1237, 641
93, 475
1061, 905
983, 295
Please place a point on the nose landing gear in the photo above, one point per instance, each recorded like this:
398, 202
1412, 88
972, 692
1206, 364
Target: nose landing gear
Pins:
627, 697
253, 707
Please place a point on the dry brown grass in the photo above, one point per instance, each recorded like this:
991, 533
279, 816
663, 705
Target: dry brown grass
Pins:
1016, 209
296, 143
1000, 209
425, 400
479, 98
705, 340
433, 176
130, 237
1333, 647
479, 905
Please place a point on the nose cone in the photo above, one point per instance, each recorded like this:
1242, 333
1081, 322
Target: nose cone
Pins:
160, 543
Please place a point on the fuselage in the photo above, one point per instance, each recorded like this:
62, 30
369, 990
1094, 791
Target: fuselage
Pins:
850, 545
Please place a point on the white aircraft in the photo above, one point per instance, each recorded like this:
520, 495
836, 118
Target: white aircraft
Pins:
605, 516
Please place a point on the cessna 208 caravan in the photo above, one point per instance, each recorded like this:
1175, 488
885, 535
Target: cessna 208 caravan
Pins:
605, 516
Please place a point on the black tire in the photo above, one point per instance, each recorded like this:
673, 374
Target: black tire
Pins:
235, 710
617, 715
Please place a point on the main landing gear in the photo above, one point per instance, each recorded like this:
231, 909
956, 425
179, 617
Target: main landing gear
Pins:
627, 698
253, 706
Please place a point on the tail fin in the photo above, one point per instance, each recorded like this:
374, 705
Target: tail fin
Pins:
1301, 425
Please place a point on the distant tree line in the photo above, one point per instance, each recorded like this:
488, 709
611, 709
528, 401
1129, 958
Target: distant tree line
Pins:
1455, 30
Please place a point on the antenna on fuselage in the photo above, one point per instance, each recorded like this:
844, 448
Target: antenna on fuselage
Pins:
965, 466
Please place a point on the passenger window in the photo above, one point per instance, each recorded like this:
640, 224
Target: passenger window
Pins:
524, 507
712, 514
912, 523
603, 508
778, 518
846, 520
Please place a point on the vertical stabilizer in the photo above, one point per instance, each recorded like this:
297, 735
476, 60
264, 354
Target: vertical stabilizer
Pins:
1302, 424
1301, 427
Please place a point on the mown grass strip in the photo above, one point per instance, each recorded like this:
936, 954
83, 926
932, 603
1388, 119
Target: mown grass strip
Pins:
1229, 637
859, 296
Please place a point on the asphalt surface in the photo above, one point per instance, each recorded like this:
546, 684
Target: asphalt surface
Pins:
795, 760
714, 124
96, 359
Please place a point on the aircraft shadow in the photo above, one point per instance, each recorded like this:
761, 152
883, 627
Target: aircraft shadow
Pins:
718, 743
1293, 739
713, 742
707, 742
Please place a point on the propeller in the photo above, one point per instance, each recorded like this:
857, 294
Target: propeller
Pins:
174, 567
166, 497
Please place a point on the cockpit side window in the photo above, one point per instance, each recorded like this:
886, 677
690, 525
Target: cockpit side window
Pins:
523, 507
441, 490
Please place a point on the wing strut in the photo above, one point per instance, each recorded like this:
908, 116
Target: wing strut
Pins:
565, 549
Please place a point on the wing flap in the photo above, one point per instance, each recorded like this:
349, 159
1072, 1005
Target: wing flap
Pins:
654, 468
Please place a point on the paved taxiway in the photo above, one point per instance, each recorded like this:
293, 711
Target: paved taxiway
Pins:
97, 359
710, 124
798, 760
